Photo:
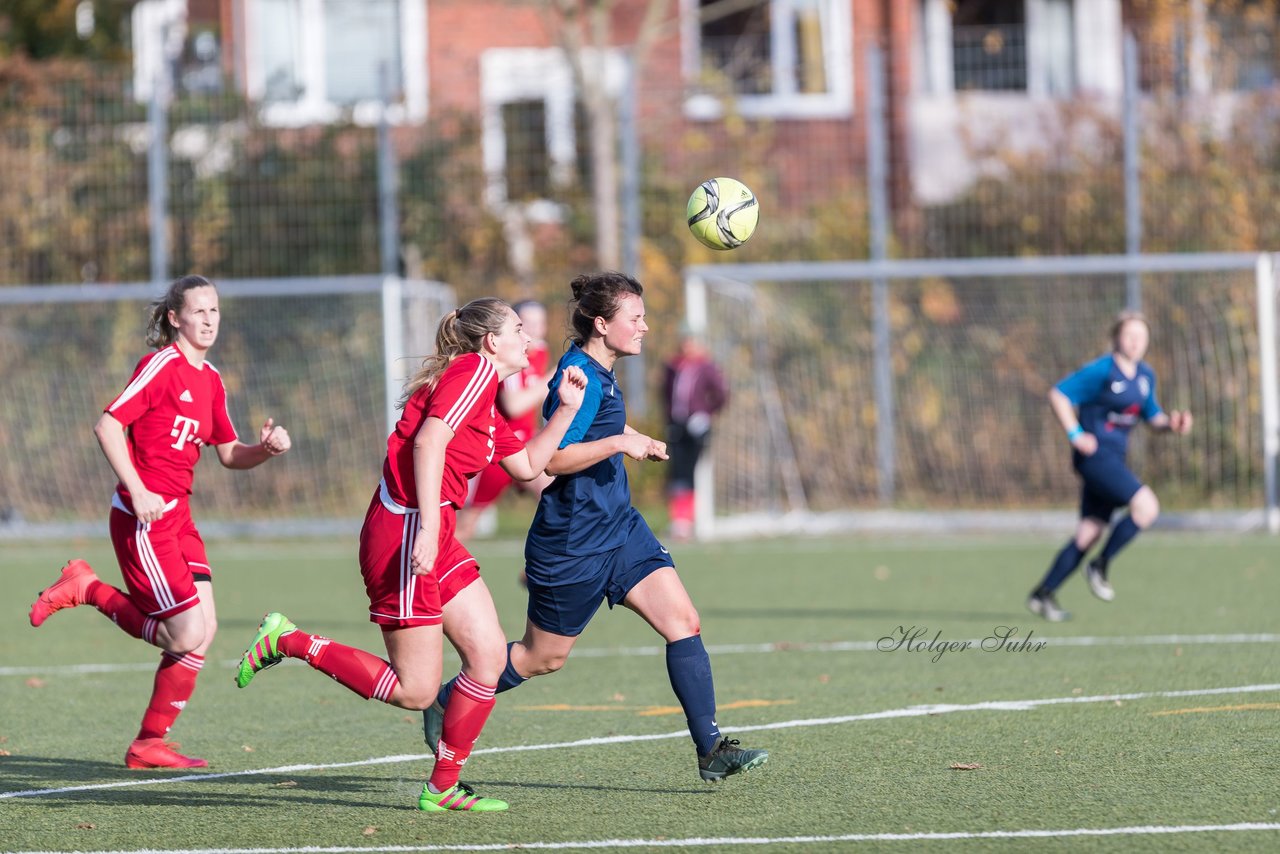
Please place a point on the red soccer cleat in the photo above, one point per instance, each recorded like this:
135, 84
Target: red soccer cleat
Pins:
157, 753
67, 592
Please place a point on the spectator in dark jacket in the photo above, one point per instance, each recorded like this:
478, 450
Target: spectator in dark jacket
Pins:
694, 391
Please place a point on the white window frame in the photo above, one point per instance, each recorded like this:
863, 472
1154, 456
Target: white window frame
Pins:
313, 107
1096, 30
159, 28
786, 102
509, 75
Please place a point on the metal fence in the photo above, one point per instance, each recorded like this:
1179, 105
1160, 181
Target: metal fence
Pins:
326, 358
936, 399
974, 138
995, 142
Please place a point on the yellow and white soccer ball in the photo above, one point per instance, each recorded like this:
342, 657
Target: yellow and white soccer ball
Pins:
723, 213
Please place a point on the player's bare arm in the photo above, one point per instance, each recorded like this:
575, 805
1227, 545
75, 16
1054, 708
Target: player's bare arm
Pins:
273, 441
1065, 411
583, 455
1177, 421
530, 462
147, 505
657, 449
428, 470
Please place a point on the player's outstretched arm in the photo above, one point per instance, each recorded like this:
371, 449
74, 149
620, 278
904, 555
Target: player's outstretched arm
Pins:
583, 455
530, 462
273, 441
1177, 421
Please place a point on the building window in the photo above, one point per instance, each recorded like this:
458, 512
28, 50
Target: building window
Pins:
318, 60
989, 45
781, 58
527, 169
999, 46
1244, 45
535, 141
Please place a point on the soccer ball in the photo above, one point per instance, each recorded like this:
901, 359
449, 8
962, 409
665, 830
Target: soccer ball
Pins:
722, 213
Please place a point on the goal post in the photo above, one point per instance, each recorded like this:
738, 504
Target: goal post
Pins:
326, 357
975, 346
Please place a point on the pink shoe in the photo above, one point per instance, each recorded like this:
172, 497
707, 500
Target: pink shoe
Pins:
157, 753
67, 592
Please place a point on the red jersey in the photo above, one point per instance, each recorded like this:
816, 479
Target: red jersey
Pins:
171, 411
526, 425
465, 398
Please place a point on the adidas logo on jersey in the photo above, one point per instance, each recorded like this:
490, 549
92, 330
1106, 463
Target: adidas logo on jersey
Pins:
186, 397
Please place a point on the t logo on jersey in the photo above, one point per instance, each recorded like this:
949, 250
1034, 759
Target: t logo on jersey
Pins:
184, 428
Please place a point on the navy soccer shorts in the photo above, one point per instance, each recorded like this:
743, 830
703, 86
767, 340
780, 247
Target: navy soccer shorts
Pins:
565, 607
1108, 484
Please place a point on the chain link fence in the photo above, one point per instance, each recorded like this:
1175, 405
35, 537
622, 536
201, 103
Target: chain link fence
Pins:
1002, 133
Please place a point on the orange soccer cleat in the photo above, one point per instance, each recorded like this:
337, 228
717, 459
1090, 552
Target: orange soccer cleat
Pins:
67, 592
157, 753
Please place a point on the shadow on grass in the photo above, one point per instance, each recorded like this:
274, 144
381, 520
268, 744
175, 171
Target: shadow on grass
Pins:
483, 786
37, 773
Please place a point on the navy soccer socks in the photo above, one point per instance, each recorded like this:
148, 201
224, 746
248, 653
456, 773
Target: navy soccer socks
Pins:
1063, 565
1121, 535
689, 667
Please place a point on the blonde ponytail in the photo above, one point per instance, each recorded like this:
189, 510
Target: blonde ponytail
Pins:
461, 331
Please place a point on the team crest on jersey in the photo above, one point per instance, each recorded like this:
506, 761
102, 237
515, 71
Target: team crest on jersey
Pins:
184, 430
1144, 386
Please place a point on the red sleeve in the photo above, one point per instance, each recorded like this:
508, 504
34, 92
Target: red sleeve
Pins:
463, 387
505, 442
139, 395
223, 430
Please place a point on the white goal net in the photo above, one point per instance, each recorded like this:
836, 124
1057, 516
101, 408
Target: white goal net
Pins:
949, 425
326, 358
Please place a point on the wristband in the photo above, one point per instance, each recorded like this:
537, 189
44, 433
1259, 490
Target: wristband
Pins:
1074, 432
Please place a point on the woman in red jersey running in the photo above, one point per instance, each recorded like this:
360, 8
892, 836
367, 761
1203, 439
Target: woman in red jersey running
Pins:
410, 556
152, 434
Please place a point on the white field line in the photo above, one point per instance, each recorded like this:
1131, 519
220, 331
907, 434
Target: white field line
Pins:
908, 712
728, 649
701, 842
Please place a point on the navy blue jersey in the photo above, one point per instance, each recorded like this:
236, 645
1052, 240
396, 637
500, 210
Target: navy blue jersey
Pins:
582, 513
1109, 403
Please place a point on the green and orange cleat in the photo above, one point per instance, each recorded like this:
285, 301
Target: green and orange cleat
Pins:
264, 652
458, 798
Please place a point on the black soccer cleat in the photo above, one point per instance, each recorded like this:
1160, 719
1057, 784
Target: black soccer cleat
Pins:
1044, 605
1096, 574
728, 757
433, 725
